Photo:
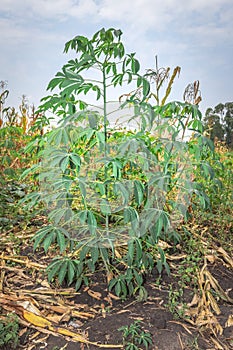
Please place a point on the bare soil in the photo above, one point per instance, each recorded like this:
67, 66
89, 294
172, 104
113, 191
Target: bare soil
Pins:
168, 331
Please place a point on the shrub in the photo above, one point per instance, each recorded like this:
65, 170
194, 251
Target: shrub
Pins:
113, 193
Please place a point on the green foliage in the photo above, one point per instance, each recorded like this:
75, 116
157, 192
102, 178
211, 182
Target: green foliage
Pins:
175, 304
113, 193
13, 162
9, 330
11, 192
219, 123
219, 216
12, 142
134, 337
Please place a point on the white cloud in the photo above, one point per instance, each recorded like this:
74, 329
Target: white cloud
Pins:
197, 18
53, 9
11, 31
196, 34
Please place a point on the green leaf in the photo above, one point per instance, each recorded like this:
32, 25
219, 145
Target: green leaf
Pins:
53, 269
101, 187
64, 163
41, 235
112, 283
138, 277
61, 241
48, 241
130, 254
82, 186
118, 289
91, 221
159, 266
91, 266
76, 160
78, 283
63, 271
139, 250
94, 254
104, 254
100, 137
138, 192
82, 216
71, 269
105, 207
135, 66
84, 252
145, 88
139, 81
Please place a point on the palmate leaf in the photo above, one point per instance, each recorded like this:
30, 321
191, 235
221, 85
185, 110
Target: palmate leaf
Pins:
85, 62
123, 189
131, 216
55, 82
30, 171
31, 200
53, 268
47, 235
64, 268
63, 214
75, 159
48, 240
60, 160
67, 80
41, 235
79, 43
59, 136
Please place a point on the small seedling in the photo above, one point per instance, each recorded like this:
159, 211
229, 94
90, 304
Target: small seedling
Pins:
9, 328
134, 337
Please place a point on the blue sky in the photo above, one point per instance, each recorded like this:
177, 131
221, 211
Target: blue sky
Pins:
196, 35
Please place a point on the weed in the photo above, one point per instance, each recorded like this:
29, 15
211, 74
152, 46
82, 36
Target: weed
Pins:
134, 337
9, 328
175, 304
193, 344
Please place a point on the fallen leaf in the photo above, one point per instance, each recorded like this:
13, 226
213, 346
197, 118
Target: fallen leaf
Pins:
229, 322
95, 295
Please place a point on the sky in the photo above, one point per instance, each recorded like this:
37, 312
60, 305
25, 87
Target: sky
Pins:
196, 35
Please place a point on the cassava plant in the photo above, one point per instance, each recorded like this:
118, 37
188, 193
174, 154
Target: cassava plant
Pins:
113, 192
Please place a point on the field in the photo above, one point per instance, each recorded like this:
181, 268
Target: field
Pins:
115, 236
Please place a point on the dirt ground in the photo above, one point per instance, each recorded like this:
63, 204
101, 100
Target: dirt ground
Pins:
58, 318
103, 314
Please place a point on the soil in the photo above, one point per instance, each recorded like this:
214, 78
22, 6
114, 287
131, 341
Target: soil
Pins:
167, 330
102, 313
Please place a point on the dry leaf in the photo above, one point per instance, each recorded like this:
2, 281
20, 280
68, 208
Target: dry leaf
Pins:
229, 322
95, 295
36, 320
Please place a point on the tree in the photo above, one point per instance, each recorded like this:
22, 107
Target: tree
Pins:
3, 95
219, 123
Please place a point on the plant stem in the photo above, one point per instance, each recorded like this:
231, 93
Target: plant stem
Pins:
105, 140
